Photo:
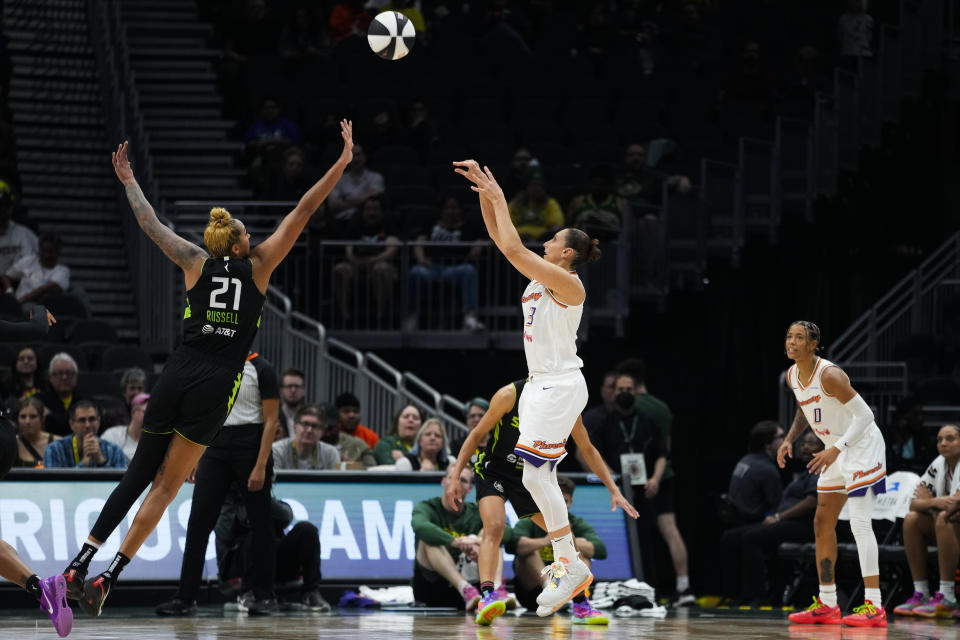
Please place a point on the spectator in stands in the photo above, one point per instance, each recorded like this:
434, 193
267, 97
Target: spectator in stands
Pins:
594, 417
534, 551
305, 449
32, 440
749, 552
381, 130
290, 181
600, 212
303, 38
297, 554
40, 274
409, 8
444, 533
357, 185
642, 186
374, 259
475, 410
453, 266
348, 412
353, 451
429, 451
25, 378
16, 240
401, 435
516, 178
422, 130
534, 213
755, 487
60, 393
349, 19
664, 503
292, 397
929, 520
128, 436
133, 382
83, 449
268, 137
908, 444
855, 33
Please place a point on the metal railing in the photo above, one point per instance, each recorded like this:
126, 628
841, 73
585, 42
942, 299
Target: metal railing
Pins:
911, 306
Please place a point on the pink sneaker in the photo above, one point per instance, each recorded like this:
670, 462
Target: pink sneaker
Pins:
584, 613
906, 609
470, 597
507, 598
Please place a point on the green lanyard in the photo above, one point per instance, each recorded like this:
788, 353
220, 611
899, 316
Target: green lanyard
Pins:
76, 452
628, 439
314, 464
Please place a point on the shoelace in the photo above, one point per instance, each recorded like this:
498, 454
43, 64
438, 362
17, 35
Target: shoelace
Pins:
816, 604
557, 571
866, 607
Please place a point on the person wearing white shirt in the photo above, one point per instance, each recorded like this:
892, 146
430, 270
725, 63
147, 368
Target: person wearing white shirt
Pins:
304, 450
127, 436
38, 274
16, 240
357, 184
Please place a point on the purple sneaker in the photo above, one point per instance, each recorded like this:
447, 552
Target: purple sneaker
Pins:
471, 596
489, 608
584, 613
906, 609
53, 600
353, 600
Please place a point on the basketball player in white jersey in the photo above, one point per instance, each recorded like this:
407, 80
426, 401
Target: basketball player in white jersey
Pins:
852, 466
555, 392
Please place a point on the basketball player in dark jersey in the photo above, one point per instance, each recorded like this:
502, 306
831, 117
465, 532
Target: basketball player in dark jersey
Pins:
499, 474
189, 403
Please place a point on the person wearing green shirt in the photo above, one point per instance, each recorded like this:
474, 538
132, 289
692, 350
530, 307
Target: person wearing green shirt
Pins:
399, 439
447, 539
533, 550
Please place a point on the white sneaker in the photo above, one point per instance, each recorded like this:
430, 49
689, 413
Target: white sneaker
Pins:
563, 583
470, 322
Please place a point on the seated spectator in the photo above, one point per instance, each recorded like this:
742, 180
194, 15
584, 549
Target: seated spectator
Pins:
303, 38
297, 555
928, 522
518, 175
25, 378
59, 394
534, 551
305, 450
269, 135
353, 451
429, 451
476, 409
749, 552
32, 440
127, 437
755, 487
348, 412
133, 382
447, 540
908, 445
599, 213
292, 398
357, 184
453, 266
16, 240
534, 213
84, 450
422, 130
400, 437
38, 274
349, 19
374, 259
290, 182
642, 186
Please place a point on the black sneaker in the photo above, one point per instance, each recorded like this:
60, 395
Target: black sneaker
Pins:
264, 607
684, 599
177, 607
95, 593
74, 577
313, 601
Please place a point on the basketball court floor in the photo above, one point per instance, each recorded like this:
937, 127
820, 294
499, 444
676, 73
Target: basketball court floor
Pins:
211, 624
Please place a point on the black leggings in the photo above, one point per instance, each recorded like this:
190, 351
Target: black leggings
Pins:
139, 474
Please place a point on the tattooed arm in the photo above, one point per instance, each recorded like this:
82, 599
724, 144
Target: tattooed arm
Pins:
799, 425
185, 254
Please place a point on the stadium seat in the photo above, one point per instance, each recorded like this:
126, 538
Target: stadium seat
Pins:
98, 383
118, 358
93, 331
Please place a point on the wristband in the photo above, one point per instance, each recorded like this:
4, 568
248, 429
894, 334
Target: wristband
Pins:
777, 516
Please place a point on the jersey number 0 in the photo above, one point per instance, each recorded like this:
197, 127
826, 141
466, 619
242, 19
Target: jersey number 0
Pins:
224, 287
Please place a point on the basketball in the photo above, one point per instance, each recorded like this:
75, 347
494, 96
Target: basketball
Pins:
391, 35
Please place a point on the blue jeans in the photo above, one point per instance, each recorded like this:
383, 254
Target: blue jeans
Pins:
464, 276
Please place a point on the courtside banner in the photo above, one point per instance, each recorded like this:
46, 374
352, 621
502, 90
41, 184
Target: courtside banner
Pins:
363, 519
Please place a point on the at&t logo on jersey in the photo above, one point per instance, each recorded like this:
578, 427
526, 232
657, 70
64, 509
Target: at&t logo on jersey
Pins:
206, 329
222, 331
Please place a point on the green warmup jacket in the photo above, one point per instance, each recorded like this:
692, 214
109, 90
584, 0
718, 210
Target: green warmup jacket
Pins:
526, 528
436, 526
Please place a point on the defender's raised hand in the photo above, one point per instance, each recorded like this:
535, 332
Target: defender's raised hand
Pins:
121, 165
346, 132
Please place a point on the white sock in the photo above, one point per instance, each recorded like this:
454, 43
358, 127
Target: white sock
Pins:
946, 588
873, 595
563, 548
95, 545
683, 583
922, 588
828, 594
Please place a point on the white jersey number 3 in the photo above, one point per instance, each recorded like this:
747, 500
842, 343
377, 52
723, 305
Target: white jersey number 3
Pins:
224, 286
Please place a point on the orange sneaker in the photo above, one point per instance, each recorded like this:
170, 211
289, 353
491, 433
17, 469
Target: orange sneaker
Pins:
817, 613
867, 615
